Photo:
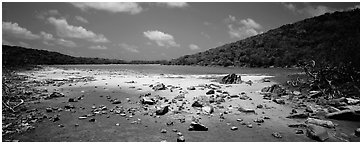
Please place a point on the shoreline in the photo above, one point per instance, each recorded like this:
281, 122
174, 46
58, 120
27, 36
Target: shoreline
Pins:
101, 87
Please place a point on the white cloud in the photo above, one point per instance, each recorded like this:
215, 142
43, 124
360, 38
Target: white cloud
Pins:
130, 48
66, 43
69, 31
114, 7
81, 19
242, 28
98, 47
46, 36
44, 14
174, 4
205, 35
13, 29
194, 47
24, 44
309, 9
162, 39
5, 42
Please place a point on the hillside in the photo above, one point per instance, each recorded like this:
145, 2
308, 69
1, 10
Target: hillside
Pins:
327, 39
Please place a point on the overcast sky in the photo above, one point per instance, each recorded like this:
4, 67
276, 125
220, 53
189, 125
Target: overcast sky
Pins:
146, 31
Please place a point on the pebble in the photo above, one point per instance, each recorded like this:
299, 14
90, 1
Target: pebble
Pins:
179, 134
239, 120
163, 130
181, 139
174, 130
92, 120
234, 128
249, 126
277, 135
299, 131
76, 125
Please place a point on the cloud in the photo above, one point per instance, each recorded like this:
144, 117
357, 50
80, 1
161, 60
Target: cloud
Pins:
81, 19
98, 47
13, 29
5, 42
44, 14
69, 31
194, 47
309, 9
206, 23
46, 36
162, 39
66, 43
130, 48
24, 44
242, 28
205, 35
174, 4
113, 7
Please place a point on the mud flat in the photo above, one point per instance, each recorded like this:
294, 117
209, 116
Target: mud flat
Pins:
118, 105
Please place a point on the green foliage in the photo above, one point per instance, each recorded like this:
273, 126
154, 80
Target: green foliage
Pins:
327, 39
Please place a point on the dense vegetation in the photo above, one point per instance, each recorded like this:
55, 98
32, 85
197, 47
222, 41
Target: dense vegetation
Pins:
327, 39
15, 56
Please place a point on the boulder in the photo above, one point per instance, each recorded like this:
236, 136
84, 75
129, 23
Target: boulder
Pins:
234, 128
180, 96
275, 89
116, 101
147, 100
159, 87
208, 109
246, 110
347, 114
298, 116
231, 79
196, 104
191, 88
324, 123
196, 126
279, 101
210, 92
317, 133
181, 139
56, 95
162, 110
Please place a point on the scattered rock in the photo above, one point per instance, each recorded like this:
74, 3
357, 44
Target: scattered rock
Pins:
116, 101
310, 109
210, 92
324, 123
179, 133
234, 128
352, 101
317, 133
299, 131
55, 95
196, 104
275, 89
249, 82
332, 109
301, 125
279, 101
231, 79
147, 100
82, 117
297, 93
239, 120
258, 120
196, 126
277, 135
259, 106
159, 87
344, 115
181, 139
49, 109
162, 110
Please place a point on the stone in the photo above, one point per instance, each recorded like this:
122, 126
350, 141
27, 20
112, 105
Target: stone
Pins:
208, 109
163, 130
279, 101
239, 120
332, 109
352, 101
116, 101
357, 132
231, 79
162, 110
69, 106
159, 87
299, 131
56, 95
297, 93
324, 123
246, 110
210, 92
350, 115
277, 135
301, 125
196, 126
180, 96
317, 133
234, 128
72, 100
259, 106
259, 120
174, 130
249, 126
82, 117
56, 118
92, 120
179, 133
310, 109
147, 100
196, 104
49, 109
298, 116
181, 139
275, 89
191, 88
249, 82
266, 80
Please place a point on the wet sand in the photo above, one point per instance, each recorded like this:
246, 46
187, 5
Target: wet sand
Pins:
140, 125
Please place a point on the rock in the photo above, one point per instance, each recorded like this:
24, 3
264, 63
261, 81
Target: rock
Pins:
191, 88
234, 96
56, 118
249, 82
210, 92
332, 109
275, 89
56, 95
310, 109
196, 126
344, 115
231, 79
266, 80
208, 109
179, 133
244, 97
72, 100
234, 128
249, 126
324, 123
298, 116
259, 120
317, 133
174, 130
246, 110
299, 131
69, 106
180, 96
301, 125
181, 139
49, 109
82, 117
279, 101
92, 120
116, 101
239, 120
162, 110
297, 93
357, 132
76, 125
259, 106
159, 87
352, 101
163, 130
315, 94
276, 135
147, 100
196, 104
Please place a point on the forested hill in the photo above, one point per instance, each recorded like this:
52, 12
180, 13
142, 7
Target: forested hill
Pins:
328, 39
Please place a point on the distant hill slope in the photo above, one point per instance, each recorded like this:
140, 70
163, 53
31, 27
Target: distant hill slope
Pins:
19, 56
328, 39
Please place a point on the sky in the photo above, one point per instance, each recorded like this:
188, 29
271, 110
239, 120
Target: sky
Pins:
147, 31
